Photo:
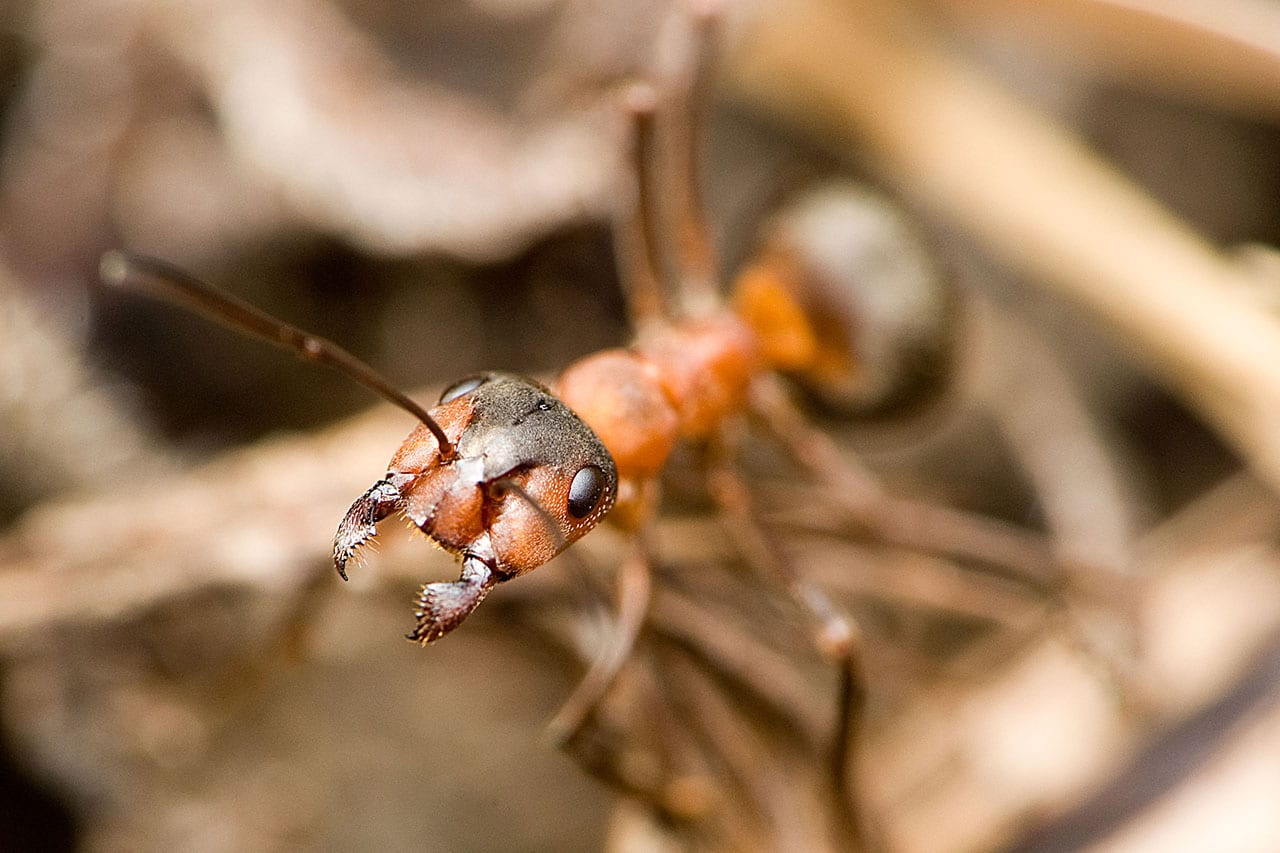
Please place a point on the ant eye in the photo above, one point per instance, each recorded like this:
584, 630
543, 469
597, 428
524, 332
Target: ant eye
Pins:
585, 491
461, 387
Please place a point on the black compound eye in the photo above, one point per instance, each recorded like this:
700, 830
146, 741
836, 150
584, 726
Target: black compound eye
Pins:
461, 387
585, 491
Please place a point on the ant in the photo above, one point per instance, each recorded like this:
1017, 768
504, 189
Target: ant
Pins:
506, 473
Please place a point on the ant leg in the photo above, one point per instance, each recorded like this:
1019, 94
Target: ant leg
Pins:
752, 669
607, 745
837, 638
635, 232
633, 591
696, 250
1025, 556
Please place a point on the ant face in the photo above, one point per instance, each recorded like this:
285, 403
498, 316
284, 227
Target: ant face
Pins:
525, 479
529, 476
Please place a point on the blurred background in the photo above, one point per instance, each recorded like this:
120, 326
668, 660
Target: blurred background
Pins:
1090, 660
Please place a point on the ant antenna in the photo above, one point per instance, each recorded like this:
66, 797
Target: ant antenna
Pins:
161, 281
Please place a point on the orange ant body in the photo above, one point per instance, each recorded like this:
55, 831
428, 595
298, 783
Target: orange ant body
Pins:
506, 475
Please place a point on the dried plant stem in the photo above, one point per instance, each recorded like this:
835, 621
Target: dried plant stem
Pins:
874, 83
982, 733
1043, 416
237, 522
1226, 52
62, 430
390, 161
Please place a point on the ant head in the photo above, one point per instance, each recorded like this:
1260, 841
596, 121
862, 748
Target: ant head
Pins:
521, 479
525, 479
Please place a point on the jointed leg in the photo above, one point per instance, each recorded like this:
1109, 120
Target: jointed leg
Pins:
633, 593
913, 524
615, 753
836, 637
635, 228
699, 280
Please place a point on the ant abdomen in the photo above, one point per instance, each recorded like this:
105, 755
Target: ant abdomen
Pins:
849, 302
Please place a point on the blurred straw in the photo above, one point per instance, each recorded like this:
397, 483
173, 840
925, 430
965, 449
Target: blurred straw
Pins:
1225, 53
62, 429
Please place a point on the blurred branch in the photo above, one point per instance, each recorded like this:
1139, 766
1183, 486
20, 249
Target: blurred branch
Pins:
392, 164
263, 517
1046, 422
63, 136
63, 432
1078, 481
961, 767
1224, 52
